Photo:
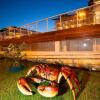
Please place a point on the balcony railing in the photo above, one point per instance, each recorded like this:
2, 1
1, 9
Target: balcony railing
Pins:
85, 16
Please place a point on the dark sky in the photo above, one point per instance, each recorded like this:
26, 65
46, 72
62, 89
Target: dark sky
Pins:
20, 12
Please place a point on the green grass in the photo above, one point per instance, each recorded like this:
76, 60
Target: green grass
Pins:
89, 81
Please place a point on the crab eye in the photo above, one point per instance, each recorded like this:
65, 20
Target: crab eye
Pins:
44, 74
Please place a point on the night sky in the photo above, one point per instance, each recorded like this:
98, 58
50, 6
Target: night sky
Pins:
20, 12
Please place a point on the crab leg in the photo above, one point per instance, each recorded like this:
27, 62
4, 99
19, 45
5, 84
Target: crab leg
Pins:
69, 82
70, 73
30, 71
71, 87
76, 81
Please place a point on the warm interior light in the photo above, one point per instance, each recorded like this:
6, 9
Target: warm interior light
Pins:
18, 36
81, 14
97, 14
10, 37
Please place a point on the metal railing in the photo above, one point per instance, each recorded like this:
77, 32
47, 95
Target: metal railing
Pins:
84, 16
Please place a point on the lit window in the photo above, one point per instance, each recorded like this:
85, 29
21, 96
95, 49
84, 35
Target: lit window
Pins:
79, 45
98, 44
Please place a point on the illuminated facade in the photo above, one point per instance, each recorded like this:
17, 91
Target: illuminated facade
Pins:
12, 32
80, 17
71, 42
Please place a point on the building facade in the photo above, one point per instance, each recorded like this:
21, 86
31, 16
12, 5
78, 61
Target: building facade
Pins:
78, 51
13, 31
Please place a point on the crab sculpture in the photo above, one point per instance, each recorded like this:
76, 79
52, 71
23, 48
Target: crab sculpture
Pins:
43, 73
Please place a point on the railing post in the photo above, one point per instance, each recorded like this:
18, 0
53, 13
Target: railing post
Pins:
47, 24
14, 33
36, 26
4, 35
60, 22
20, 32
27, 30
77, 18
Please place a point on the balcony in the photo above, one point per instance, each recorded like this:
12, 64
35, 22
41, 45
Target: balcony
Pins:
80, 23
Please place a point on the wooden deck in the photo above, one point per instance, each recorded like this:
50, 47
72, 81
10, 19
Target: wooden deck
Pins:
92, 31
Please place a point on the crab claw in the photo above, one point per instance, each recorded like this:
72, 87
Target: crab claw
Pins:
23, 86
48, 91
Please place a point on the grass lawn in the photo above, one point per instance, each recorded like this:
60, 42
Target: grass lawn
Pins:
89, 81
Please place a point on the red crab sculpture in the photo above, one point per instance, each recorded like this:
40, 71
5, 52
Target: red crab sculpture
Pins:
44, 73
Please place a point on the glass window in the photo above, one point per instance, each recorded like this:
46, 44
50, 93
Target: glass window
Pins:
43, 46
98, 44
78, 45
72, 45
85, 45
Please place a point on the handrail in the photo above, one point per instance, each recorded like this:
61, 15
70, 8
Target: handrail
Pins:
60, 14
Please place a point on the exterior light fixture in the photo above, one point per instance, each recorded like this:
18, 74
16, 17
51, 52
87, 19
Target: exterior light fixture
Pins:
84, 44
